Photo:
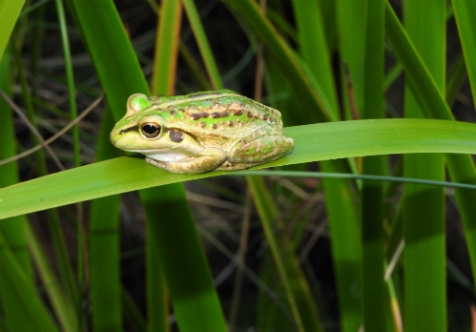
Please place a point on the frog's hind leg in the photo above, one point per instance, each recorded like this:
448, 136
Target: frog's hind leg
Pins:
246, 154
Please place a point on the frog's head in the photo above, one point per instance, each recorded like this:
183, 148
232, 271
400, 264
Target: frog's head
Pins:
144, 128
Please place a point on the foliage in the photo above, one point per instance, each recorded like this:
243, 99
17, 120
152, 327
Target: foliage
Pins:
354, 248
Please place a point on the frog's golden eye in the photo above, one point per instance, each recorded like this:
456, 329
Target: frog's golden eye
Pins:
150, 129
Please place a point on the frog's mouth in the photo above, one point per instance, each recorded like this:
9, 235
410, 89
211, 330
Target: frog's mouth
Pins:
175, 153
144, 151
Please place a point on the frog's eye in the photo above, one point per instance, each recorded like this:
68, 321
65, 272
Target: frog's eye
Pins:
150, 129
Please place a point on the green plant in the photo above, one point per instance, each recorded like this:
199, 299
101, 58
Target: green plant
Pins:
294, 44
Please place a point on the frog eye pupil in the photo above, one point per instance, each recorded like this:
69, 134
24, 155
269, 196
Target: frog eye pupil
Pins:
150, 129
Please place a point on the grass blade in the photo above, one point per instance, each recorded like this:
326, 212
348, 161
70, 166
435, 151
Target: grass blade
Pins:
104, 248
419, 78
35, 316
346, 247
163, 83
304, 86
196, 304
203, 44
374, 290
70, 78
338, 140
423, 209
62, 303
104, 34
465, 15
12, 229
9, 12
431, 100
267, 212
312, 42
165, 60
350, 15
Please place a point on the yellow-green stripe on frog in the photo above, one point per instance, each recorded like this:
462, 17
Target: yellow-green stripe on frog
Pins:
201, 132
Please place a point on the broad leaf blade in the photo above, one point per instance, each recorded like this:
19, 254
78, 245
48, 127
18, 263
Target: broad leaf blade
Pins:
337, 140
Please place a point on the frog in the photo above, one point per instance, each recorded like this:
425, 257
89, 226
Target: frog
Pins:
201, 132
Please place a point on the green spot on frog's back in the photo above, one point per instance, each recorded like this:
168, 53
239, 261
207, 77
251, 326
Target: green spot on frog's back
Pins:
205, 104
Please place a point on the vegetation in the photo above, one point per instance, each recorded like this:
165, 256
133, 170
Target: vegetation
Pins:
369, 222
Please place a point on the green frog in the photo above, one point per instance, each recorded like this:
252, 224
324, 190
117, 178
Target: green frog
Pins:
201, 132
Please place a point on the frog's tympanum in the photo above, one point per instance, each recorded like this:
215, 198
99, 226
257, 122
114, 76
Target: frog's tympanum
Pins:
201, 132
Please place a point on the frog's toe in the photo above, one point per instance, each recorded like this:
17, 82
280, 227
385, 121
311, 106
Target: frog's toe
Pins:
159, 164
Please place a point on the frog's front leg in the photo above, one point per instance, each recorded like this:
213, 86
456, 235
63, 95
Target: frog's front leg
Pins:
207, 160
253, 151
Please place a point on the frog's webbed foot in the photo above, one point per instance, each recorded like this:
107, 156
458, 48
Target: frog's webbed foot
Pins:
206, 161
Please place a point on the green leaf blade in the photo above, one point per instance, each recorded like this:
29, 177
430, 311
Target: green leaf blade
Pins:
465, 14
337, 140
424, 206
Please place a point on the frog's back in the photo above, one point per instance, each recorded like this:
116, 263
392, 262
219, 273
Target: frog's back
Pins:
223, 113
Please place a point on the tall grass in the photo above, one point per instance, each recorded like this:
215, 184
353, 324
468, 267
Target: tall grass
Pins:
317, 255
